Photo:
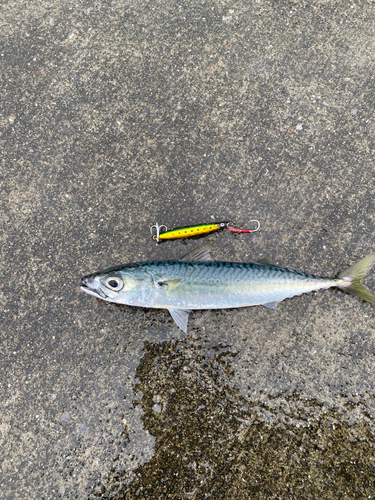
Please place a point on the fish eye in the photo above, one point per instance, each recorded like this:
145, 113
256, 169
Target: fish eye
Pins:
114, 283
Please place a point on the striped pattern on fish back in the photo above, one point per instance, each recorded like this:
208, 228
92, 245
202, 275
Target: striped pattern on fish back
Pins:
223, 272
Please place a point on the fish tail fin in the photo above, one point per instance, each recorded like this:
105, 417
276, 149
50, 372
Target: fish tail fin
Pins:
352, 279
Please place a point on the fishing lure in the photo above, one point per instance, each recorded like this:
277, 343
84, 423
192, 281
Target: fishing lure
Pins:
161, 233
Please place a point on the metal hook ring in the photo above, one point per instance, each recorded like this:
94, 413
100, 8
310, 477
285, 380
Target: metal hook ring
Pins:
158, 229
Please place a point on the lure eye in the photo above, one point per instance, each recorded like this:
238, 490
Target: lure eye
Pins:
114, 283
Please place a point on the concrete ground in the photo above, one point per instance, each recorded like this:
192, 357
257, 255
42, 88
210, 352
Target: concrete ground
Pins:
114, 115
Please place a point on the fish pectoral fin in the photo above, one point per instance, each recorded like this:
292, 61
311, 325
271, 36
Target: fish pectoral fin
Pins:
181, 318
199, 254
171, 284
272, 305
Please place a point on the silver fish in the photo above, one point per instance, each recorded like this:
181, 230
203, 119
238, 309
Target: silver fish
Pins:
196, 282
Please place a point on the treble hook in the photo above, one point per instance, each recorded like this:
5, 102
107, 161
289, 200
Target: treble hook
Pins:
234, 230
158, 229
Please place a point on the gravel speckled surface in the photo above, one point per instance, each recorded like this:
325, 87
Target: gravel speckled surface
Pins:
114, 115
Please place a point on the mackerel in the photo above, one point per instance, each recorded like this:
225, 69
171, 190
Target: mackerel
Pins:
197, 282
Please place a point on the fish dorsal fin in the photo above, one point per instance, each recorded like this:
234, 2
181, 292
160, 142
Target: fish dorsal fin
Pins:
199, 254
267, 262
272, 305
181, 318
171, 284
264, 260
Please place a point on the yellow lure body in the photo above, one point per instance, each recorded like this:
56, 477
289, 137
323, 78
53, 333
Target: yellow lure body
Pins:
190, 231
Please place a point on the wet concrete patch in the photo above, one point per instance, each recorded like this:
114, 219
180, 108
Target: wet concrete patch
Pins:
212, 443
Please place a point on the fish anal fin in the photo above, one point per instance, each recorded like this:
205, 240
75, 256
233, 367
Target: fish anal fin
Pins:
180, 317
272, 305
199, 254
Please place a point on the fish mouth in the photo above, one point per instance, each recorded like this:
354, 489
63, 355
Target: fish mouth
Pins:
86, 286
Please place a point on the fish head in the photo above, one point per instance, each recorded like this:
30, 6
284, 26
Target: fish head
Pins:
122, 285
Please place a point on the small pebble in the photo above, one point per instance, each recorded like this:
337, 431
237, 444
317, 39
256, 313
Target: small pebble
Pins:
156, 408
